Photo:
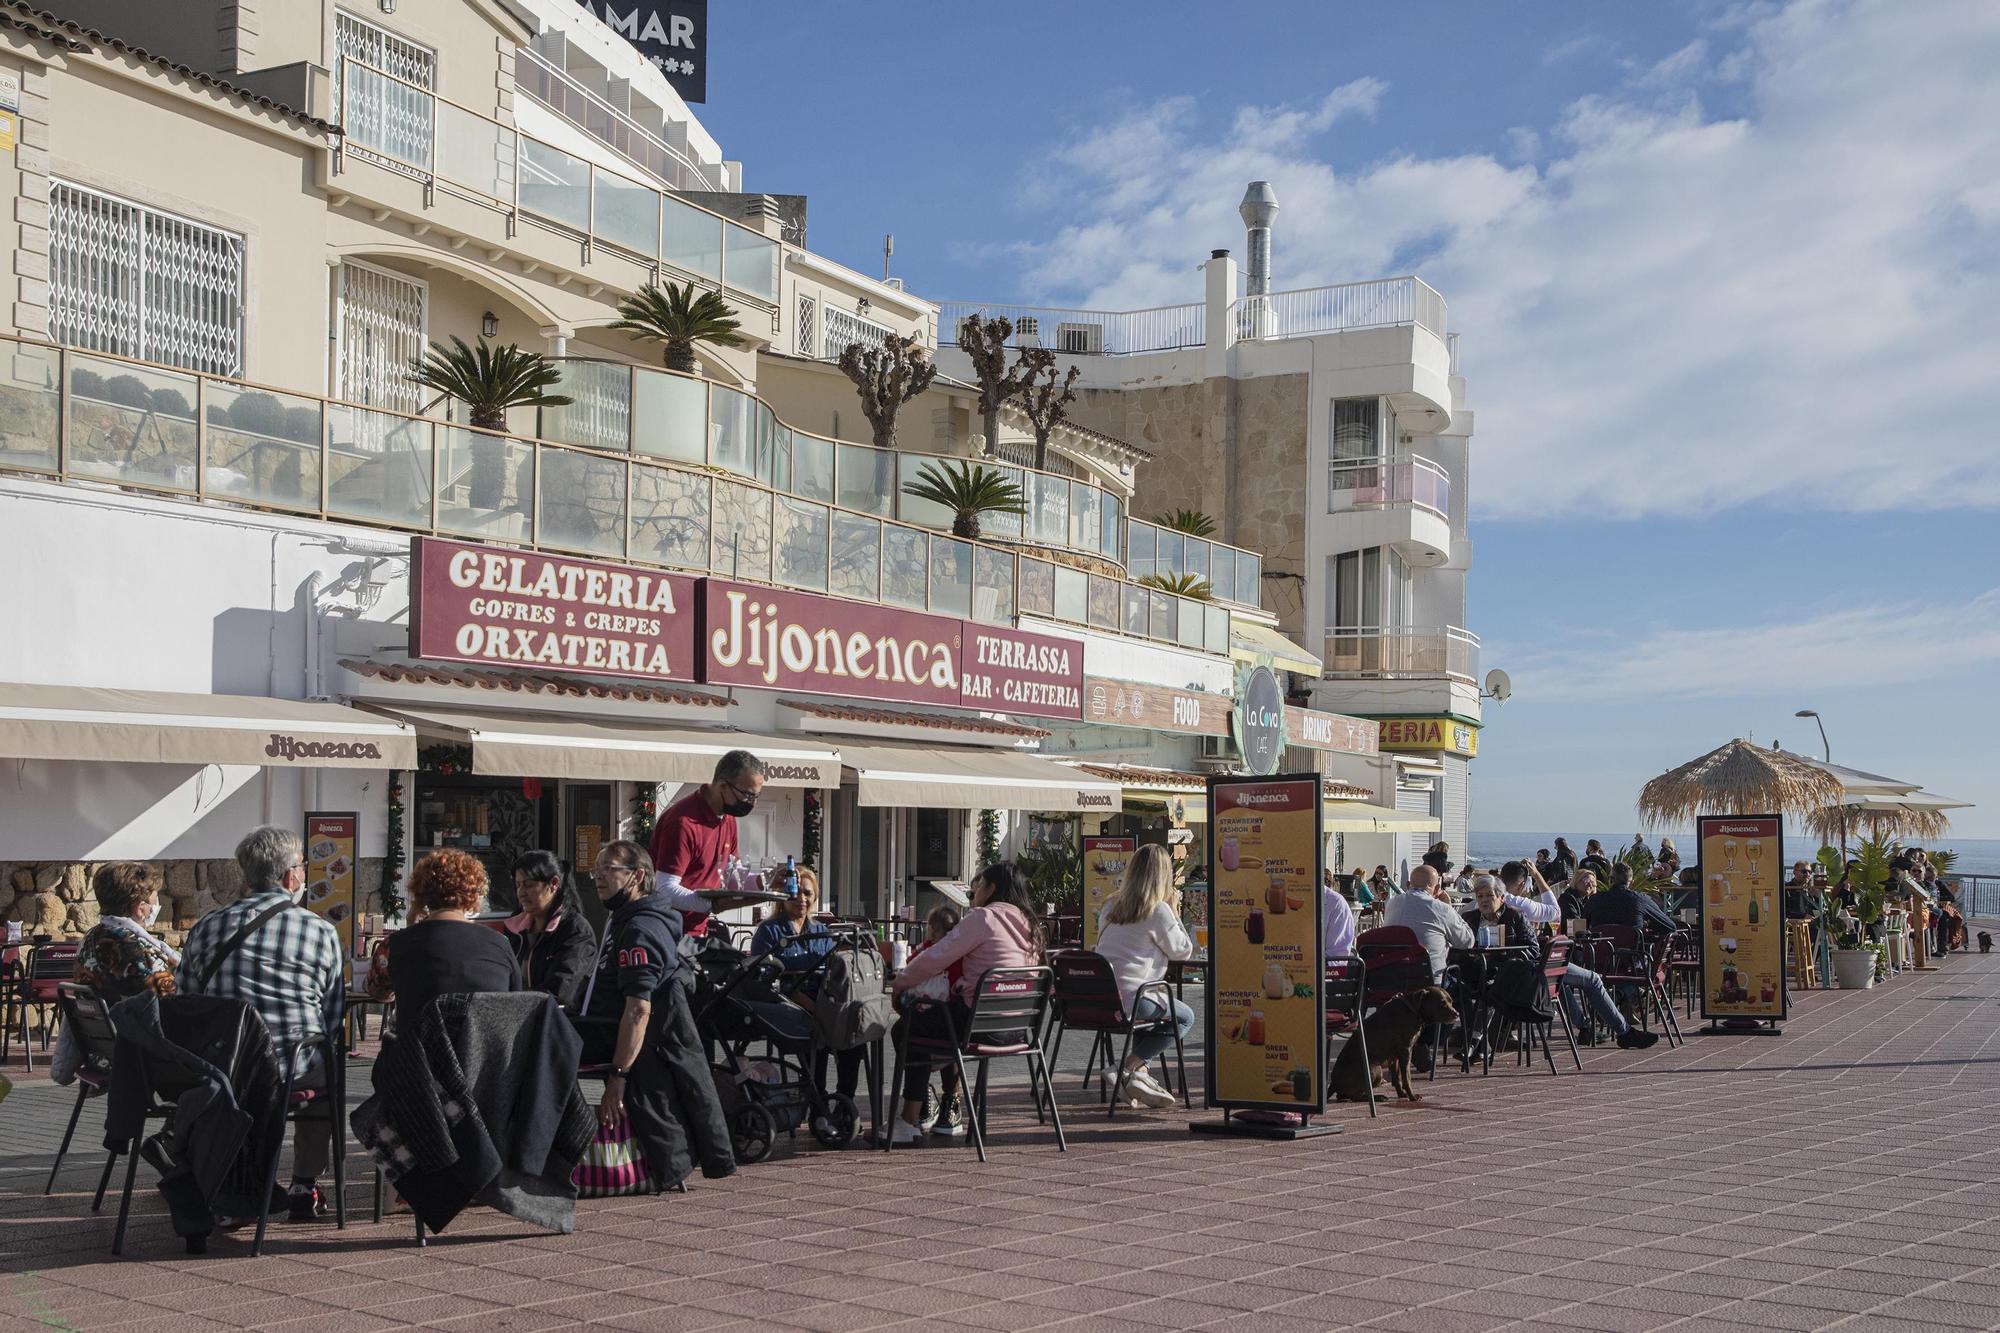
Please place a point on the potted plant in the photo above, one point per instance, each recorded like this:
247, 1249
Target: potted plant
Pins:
1858, 961
678, 318
968, 490
490, 380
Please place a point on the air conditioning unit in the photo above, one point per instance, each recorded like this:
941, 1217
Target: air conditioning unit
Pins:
897, 283
1027, 331
1218, 754
1080, 339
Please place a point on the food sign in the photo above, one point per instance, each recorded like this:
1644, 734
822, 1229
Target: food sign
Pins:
1743, 917
1104, 861
330, 850
1266, 1033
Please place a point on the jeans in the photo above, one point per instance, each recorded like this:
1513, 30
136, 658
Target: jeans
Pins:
1146, 1009
1581, 981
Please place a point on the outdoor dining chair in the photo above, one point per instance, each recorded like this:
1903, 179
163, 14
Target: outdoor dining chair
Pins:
1397, 964
32, 990
308, 1104
1346, 991
1086, 999
1010, 1008
90, 1023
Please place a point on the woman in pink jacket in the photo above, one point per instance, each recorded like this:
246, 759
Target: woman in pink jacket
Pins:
998, 931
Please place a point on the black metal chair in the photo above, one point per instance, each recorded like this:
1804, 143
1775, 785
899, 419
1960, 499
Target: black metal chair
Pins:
1346, 990
89, 1022
1554, 967
1009, 1010
1086, 998
32, 990
303, 1105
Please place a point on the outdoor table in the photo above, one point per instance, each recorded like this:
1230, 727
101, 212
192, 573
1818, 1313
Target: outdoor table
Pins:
1475, 1017
728, 900
1183, 970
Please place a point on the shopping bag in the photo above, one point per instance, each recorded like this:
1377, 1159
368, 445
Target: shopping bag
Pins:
612, 1165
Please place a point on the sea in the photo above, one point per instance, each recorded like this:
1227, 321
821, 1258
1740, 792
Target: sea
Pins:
1976, 856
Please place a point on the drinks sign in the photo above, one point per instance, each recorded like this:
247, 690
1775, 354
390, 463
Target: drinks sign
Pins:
1104, 861
1743, 918
521, 608
1267, 1033
1314, 730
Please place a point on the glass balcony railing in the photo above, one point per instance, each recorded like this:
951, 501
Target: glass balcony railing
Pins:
769, 511
413, 131
1373, 482
619, 408
535, 76
1232, 574
1402, 652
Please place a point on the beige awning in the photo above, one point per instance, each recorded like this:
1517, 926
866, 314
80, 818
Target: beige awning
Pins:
545, 746
967, 779
1361, 817
1249, 641
76, 722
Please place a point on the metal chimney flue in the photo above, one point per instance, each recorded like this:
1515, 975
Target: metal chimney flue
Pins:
1259, 210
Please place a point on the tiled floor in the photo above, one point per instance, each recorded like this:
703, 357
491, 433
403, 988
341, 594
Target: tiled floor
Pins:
1845, 1175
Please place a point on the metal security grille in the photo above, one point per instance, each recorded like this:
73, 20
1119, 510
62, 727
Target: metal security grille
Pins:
808, 326
132, 280
382, 324
384, 115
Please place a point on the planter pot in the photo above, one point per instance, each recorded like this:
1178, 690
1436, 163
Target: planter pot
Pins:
1854, 969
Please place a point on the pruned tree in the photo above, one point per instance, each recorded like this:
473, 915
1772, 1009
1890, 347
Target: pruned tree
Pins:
886, 377
1045, 394
984, 342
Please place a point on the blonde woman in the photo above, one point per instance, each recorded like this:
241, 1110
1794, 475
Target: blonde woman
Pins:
1139, 933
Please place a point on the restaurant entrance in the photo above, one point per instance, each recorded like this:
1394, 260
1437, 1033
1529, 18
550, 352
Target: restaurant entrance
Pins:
885, 858
499, 818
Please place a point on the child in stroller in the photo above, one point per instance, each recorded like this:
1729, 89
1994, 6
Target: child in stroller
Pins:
744, 999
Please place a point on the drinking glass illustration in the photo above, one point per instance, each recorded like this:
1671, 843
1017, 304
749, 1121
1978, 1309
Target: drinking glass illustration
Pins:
1729, 854
1718, 885
1232, 855
1754, 847
1254, 1028
1253, 926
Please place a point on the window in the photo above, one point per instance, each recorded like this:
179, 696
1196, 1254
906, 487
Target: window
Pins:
138, 282
1357, 429
385, 86
1356, 590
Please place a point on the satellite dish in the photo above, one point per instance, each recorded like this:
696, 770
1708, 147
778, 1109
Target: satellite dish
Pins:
1498, 686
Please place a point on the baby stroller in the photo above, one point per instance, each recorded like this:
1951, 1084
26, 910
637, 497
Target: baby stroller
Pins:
740, 1002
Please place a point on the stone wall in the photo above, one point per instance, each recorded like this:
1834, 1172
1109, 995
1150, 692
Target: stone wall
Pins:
55, 896
1233, 449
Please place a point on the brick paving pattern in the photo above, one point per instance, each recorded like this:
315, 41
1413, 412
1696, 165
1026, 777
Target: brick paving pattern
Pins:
1843, 1176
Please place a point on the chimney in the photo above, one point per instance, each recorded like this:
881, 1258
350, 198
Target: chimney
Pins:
1259, 210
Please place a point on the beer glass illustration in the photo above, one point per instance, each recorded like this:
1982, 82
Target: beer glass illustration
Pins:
1754, 848
1729, 854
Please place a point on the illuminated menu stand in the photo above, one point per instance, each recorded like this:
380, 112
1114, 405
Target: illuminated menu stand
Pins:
1745, 990
1266, 974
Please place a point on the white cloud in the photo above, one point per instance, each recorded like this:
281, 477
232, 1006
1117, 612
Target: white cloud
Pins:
1846, 648
1668, 311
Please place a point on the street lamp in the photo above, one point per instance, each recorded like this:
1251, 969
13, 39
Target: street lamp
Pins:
1807, 712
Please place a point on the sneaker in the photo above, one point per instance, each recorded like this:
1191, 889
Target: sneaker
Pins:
951, 1124
1144, 1078
305, 1203
905, 1132
1137, 1090
1637, 1039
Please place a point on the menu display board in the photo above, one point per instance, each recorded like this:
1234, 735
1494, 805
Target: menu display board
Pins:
1266, 1033
1743, 916
330, 847
1104, 862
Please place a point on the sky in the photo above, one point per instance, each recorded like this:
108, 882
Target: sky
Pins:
1726, 275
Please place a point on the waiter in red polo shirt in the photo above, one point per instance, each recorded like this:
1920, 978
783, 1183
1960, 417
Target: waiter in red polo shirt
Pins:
694, 837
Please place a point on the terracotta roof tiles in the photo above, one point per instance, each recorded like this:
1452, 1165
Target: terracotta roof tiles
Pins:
532, 682
887, 717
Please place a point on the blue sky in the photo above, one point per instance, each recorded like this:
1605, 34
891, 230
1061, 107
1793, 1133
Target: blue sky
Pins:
1727, 277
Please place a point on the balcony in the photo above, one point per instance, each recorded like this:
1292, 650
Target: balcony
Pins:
446, 147
1403, 502
1402, 653
1232, 574
1383, 303
799, 512
1084, 332
539, 79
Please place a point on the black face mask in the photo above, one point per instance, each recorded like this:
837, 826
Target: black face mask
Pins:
738, 808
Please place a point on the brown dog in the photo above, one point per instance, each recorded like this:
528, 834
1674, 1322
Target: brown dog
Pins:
1391, 1033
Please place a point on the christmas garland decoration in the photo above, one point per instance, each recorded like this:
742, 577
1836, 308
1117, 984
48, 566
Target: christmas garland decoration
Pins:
989, 837
392, 863
445, 759
809, 840
645, 809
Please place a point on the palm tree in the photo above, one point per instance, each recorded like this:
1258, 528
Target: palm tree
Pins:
490, 380
1191, 521
1181, 585
679, 318
968, 490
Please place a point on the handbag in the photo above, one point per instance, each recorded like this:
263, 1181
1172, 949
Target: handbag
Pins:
612, 1165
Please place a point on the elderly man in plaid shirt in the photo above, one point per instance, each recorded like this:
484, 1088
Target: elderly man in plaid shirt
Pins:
282, 969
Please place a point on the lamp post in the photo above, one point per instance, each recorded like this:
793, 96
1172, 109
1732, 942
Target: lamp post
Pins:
1827, 750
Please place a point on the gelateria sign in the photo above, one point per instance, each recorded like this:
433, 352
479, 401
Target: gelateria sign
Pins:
519, 608
773, 638
1430, 733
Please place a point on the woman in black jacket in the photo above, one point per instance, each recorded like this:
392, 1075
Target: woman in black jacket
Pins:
552, 940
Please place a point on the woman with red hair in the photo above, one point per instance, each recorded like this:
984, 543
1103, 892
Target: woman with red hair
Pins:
443, 952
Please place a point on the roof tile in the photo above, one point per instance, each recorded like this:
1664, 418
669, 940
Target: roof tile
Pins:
532, 682
936, 721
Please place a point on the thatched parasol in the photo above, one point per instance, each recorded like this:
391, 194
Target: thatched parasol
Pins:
1740, 778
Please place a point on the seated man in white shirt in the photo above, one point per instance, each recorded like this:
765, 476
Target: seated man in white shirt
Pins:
1339, 923
1537, 909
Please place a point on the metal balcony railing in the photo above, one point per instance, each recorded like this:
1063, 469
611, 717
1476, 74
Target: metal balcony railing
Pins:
1084, 332
416, 133
1345, 307
820, 519
1446, 651
1373, 483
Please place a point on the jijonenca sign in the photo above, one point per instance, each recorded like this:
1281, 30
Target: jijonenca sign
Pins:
671, 34
520, 608
777, 639
290, 748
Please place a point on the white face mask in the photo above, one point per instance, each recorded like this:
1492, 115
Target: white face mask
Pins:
152, 914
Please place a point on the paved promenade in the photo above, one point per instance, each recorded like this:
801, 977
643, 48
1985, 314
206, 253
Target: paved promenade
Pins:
1845, 1176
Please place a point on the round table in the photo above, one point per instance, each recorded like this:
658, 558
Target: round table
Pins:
728, 900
